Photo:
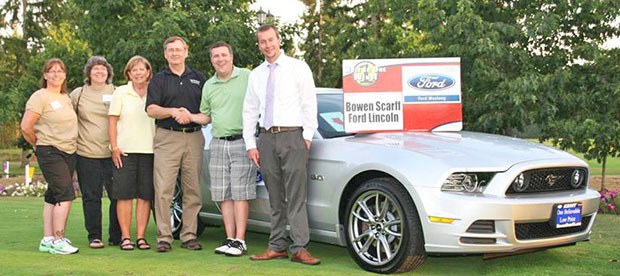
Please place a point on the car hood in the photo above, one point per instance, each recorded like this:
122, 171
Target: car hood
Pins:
457, 149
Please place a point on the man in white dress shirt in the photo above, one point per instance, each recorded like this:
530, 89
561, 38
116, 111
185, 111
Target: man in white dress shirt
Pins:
281, 98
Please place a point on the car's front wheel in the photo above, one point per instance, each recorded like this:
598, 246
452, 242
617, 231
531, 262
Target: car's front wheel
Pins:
383, 229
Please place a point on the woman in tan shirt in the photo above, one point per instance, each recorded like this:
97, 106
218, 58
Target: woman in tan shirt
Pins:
50, 125
94, 158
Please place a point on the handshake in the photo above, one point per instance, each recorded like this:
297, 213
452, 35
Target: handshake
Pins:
182, 115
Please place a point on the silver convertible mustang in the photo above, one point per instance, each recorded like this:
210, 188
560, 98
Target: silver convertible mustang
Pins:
392, 198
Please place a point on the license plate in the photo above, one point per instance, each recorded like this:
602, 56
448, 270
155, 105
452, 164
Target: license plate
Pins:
566, 215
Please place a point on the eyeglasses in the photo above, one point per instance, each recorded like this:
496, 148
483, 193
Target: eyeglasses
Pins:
175, 50
55, 72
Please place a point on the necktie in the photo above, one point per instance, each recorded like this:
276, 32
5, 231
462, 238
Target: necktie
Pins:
269, 97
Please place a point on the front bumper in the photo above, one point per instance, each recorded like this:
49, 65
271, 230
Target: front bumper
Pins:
531, 212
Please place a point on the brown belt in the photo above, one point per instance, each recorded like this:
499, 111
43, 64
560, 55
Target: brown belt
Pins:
278, 129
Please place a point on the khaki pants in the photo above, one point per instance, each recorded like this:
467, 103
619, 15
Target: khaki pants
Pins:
173, 150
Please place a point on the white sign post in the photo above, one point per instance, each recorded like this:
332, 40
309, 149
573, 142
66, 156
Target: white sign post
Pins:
27, 179
5, 169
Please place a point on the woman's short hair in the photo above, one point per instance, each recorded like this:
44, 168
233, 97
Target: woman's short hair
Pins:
46, 67
135, 60
97, 60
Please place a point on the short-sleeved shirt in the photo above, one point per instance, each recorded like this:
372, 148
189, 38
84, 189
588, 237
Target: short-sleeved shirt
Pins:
57, 125
168, 89
135, 129
223, 102
91, 106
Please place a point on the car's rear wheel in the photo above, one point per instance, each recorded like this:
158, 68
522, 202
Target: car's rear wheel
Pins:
383, 229
176, 213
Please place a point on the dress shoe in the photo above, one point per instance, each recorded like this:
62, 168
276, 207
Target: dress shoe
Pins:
304, 257
269, 254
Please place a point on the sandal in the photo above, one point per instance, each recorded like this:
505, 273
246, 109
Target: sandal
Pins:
143, 244
163, 246
96, 244
126, 244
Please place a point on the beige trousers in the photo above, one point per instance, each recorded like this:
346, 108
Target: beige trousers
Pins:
175, 150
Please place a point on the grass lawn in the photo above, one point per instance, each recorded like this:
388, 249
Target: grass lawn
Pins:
21, 231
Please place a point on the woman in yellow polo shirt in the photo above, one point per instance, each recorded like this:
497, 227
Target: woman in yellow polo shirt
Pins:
50, 125
131, 134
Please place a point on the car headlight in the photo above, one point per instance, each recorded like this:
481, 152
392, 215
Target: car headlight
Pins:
467, 182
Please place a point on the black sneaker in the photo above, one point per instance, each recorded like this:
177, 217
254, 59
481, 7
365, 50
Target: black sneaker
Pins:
236, 249
224, 246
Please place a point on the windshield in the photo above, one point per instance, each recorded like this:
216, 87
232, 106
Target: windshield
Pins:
330, 116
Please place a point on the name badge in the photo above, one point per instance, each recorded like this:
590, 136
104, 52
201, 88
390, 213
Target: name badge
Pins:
106, 99
56, 104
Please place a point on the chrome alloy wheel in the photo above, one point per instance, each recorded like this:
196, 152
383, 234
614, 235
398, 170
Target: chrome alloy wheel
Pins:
176, 211
375, 227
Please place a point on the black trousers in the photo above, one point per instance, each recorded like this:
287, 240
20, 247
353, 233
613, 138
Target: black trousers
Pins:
93, 175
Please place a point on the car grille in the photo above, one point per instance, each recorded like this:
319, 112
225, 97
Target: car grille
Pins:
549, 180
539, 230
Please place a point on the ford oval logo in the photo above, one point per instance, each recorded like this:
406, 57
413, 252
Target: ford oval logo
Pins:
431, 82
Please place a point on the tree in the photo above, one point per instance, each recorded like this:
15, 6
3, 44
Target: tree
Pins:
520, 60
338, 30
25, 29
141, 26
587, 118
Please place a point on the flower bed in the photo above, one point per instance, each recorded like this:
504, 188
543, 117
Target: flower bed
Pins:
610, 202
35, 189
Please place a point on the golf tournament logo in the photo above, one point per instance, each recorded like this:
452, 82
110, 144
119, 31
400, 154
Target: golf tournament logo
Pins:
365, 73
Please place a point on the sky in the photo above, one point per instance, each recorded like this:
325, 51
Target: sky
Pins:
288, 11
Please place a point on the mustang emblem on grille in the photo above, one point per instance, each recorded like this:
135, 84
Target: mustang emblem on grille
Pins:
552, 178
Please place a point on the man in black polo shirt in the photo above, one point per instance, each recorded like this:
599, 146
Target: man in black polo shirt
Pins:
173, 94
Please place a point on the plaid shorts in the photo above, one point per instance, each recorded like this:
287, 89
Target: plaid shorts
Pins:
233, 176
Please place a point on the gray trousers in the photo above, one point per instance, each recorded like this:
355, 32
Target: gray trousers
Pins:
283, 160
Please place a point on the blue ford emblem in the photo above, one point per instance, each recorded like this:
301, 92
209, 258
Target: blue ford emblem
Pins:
431, 82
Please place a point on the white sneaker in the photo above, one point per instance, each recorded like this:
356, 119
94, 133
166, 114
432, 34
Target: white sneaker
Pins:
224, 246
45, 245
236, 249
63, 246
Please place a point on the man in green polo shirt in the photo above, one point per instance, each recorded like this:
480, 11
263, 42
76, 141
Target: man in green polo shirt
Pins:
233, 176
